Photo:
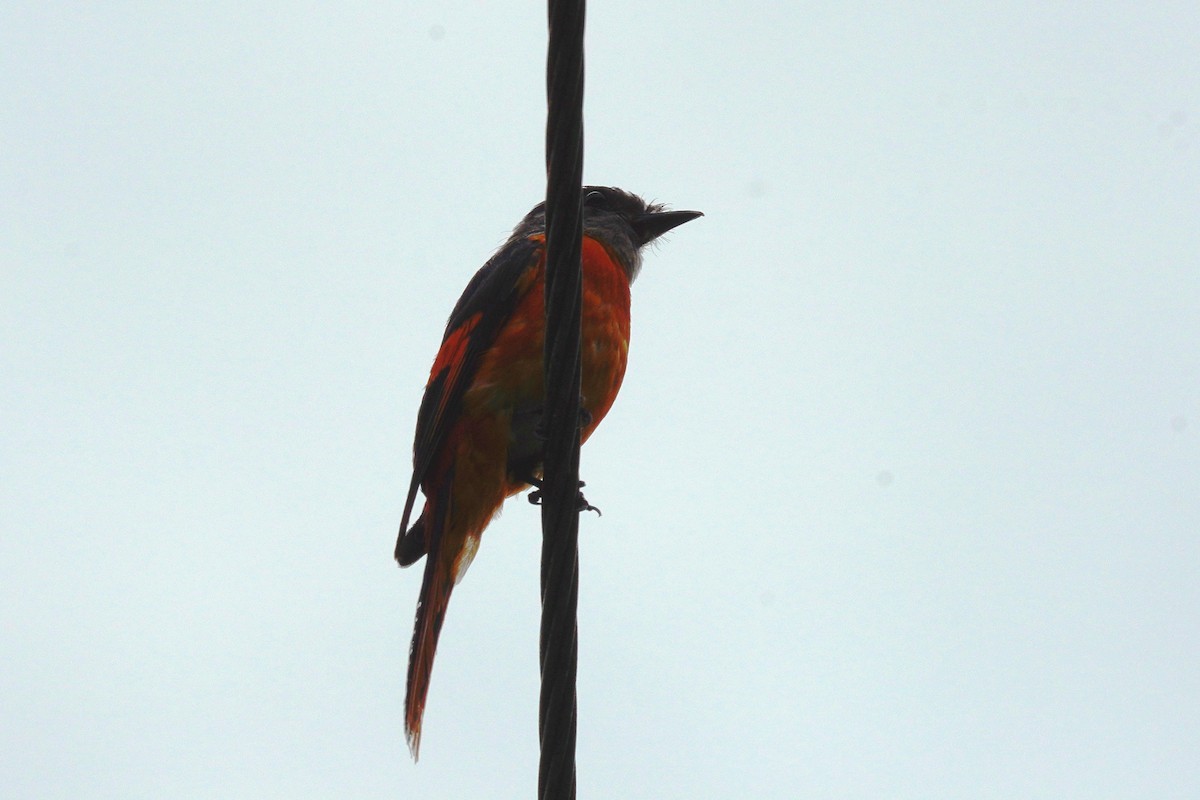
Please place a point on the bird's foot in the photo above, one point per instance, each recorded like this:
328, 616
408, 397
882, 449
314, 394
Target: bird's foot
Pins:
581, 503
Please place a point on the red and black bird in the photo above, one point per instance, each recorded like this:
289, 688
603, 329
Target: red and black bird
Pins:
477, 439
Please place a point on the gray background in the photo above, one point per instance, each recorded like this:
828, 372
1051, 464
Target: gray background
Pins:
900, 496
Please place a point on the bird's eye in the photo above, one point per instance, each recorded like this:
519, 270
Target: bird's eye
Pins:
594, 198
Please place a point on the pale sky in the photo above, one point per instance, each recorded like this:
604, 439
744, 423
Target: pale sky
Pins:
901, 495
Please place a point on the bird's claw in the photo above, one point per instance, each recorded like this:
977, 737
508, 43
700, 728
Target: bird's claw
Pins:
581, 503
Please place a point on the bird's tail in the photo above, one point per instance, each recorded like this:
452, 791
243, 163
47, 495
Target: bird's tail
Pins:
431, 610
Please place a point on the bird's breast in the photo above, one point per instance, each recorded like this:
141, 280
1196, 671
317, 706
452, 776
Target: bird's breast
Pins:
604, 329
510, 377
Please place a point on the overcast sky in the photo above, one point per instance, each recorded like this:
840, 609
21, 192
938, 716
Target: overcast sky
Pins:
901, 496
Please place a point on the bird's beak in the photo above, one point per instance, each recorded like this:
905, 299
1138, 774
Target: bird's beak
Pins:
654, 224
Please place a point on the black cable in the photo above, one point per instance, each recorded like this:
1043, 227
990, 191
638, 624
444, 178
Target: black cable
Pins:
559, 644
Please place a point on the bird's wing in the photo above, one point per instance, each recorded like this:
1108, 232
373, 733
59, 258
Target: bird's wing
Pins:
483, 309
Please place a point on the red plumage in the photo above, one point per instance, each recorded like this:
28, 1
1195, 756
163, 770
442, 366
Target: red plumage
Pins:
476, 442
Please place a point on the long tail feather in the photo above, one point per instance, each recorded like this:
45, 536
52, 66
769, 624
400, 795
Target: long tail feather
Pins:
436, 587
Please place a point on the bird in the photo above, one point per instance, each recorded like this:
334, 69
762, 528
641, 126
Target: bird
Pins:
478, 439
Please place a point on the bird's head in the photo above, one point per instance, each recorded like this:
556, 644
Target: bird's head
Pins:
622, 221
